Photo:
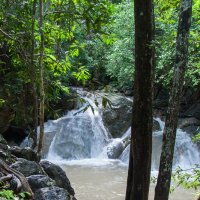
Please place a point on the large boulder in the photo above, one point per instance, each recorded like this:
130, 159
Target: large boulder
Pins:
114, 150
52, 193
26, 153
117, 147
117, 118
40, 181
161, 99
193, 111
58, 175
190, 125
26, 167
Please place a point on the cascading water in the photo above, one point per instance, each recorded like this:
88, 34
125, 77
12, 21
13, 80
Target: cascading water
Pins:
95, 162
82, 135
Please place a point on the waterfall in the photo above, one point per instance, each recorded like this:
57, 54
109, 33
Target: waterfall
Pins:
81, 137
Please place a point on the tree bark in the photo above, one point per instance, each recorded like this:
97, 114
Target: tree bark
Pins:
42, 94
169, 135
33, 78
141, 137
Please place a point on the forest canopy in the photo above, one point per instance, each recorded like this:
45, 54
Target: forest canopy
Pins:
85, 42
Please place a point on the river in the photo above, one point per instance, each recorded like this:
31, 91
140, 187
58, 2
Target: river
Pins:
82, 145
106, 180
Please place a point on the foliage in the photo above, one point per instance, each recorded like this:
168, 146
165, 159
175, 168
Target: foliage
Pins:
118, 56
189, 178
61, 61
9, 195
196, 138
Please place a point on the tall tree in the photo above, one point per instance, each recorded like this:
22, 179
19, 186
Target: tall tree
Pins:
41, 66
169, 135
141, 136
33, 77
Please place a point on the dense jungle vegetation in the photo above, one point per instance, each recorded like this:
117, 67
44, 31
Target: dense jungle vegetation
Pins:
47, 46
85, 43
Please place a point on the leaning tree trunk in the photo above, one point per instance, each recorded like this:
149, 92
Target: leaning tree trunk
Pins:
42, 94
141, 137
169, 135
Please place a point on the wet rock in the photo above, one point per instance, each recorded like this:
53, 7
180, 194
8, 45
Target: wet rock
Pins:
156, 126
192, 130
186, 122
128, 92
58, 175
115, 150
40, 181
52, 193
26, 167
26, 153
117, 119
161, 100
193, 111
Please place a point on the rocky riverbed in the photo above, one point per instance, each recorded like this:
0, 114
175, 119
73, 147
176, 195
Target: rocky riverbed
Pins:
20, 171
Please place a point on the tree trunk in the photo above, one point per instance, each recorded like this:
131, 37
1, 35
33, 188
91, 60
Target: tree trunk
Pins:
42, 94
169, 135
34, 79
141, 137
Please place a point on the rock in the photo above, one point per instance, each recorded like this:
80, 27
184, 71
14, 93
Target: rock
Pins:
193, 111
58, 175
40, 181
26, 153
117, 119
114, 150
156, 125
26, 167
161, 100
192, 130
128, 92
52, 193
186, 122
190, 125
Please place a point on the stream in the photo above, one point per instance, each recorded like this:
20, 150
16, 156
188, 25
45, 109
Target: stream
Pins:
82, 145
